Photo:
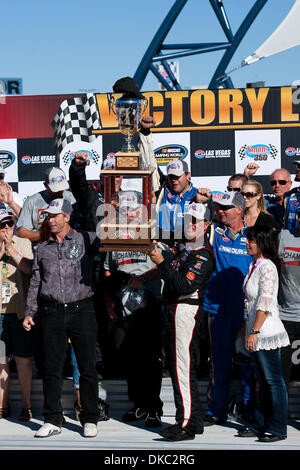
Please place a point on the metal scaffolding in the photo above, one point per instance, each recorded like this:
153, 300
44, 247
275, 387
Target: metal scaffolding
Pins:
161, 53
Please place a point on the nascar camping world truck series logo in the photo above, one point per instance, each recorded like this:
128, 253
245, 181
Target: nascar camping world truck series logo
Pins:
258, 152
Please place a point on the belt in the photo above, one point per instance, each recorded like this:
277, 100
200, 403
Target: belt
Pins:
69, 306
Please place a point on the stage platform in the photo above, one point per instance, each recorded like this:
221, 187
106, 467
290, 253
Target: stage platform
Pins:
115, 436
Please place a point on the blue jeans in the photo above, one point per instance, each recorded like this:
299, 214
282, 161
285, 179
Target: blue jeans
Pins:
273, 395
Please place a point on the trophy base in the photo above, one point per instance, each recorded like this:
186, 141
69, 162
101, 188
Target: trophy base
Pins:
147, 248
127, 160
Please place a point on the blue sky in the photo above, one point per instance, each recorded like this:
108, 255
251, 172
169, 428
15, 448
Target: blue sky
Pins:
70, 46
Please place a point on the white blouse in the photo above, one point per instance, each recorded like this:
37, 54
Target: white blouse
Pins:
261, 289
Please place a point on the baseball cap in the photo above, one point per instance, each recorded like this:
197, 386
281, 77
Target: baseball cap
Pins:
4, 214
234, 199
130, 199
56, 179
177, 168
59, 206
109, 162
1, 168
199, 211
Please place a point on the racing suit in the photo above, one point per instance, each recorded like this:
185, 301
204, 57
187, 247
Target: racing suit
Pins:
290, 204
224, 302
186, 279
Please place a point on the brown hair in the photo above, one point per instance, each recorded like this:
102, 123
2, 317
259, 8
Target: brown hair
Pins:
259, 190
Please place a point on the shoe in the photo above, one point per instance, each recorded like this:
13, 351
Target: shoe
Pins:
176, 433
47, 430
153, 420
5, 412
246, 432
268, 437
78, 409
136, 414
90, 430
26, 414
103, 410
210, 420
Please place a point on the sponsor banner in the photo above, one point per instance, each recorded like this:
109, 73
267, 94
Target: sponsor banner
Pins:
9, 159
216, 184
35, 156
93, 152
26, 189
171, 146
290, 148
262, 147
212, 153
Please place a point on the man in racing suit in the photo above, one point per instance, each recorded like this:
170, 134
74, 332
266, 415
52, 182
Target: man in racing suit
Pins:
224, 300
186, 279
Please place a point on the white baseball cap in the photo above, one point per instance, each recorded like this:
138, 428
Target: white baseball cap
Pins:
59, 206
2, 169
56, 179
233, 198
199, 211
177, 168
130, 199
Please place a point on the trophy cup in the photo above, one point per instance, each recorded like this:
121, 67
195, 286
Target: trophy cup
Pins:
128, 111
118, 233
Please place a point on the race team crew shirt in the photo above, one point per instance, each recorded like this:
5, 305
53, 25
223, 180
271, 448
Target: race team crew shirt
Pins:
133, 263
32, 215
289, 292
224, 293
63, 272
290, 204
171, 208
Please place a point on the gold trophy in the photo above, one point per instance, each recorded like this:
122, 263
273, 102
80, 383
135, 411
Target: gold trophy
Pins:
118, 233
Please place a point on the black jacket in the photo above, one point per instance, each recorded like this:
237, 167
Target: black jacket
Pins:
186, 277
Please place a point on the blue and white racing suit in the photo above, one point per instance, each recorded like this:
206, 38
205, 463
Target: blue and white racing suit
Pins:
224, 302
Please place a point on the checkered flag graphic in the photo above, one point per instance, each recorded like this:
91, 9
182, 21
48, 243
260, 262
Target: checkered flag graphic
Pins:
75, 120
69, 155
241, 152
273, 151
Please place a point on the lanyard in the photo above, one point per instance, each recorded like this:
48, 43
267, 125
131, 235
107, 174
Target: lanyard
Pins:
254, 267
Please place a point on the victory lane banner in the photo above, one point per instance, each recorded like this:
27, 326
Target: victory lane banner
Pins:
218, 132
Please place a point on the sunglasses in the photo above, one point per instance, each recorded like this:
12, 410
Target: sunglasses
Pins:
10, 223
248, 194
224, 208
236, 190
281, 182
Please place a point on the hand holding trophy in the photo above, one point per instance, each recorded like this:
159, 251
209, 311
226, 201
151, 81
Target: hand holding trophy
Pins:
128, 110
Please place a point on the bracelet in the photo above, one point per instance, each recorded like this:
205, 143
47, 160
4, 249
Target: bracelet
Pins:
254, 332
16, 258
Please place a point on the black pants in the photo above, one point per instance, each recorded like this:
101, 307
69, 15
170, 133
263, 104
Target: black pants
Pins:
182, 348
138, 340
293, 330
77, 322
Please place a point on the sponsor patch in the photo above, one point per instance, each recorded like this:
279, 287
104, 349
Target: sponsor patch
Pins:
191, 276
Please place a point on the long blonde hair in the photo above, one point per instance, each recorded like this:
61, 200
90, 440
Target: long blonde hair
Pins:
259, 190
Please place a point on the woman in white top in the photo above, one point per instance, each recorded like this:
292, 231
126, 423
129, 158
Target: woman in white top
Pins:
265, 333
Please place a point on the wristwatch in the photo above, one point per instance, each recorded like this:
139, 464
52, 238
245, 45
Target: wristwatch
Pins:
254, 332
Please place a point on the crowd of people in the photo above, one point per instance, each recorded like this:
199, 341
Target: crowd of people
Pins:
226, 268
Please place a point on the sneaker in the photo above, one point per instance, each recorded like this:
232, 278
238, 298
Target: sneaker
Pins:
210, 420
153, 420
136, 414
268, 437
90, 430
176, 433
47, 430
